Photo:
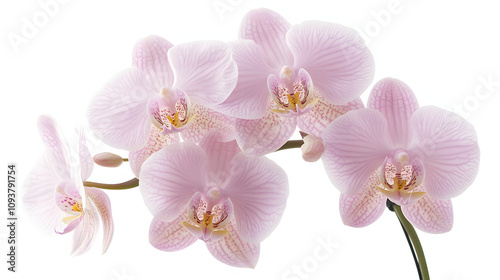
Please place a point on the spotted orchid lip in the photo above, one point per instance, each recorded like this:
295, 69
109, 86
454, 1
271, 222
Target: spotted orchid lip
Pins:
292, 98
170, 111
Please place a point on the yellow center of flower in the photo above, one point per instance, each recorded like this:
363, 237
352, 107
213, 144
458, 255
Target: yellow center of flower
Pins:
77, 207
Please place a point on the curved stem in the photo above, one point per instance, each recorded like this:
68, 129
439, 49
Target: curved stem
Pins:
414, 239
120, 186
290, 144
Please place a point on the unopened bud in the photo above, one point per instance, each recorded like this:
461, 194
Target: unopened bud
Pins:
312, 149
108, 159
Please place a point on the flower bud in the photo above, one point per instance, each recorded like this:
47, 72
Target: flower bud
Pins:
108, 159
312, 149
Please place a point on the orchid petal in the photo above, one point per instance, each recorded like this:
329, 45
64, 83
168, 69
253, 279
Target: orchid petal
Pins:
262, 136
355, 146
171, 176
323, 113
155, 143
150, 55
86, 160
170, 236
219, 153
75, 222
57, 151
365, 207
429, 215
204, 70
250, 97
233, 250
118, 114
447, 145
205, 120
66, 196
335, 56
38, 197
85, 233
101, 200
268, 29
396, 101
258, 189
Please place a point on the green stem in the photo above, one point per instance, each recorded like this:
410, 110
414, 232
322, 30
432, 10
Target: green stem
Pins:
414, 239
121, 186
290, 144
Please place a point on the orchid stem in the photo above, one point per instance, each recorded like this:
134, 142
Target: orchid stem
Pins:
124, 159
120, 186
412, 234
290, 144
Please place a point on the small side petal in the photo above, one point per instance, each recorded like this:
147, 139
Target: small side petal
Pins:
234, 251
57, 151
262, 136
170, 236
355, 146
205, 70
86, 232
429, 215
205, 120
150, 55
258, 189
336, 58
323, 113
250, 97
170, 177
155, 143
118, 114
101, 201
365, 207
396, 101
268, 29
447, 145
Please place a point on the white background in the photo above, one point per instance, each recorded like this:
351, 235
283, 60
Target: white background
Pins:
441, 50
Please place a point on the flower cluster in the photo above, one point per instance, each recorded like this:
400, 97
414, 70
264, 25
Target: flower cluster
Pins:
231, 104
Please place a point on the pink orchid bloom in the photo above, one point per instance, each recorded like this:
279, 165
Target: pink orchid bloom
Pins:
215, 193
169, 89
306, 75
55, 194
418, 158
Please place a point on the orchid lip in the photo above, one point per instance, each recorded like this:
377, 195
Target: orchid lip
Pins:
170, 111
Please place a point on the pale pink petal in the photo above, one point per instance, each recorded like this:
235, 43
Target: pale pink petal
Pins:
323, 113
57, 150
150, 55
447, 145
233, 250
355, 146
38, 196
86, 232
396, 101
118, 114
258, 188
268, 29
262, 136
171, 176
205, 120
72, 225
205, 70
429, 215
220, 153
66, 196
155, 143
86, 160
250, 97
365, 207
170, 236
336, 58
101, 201
312, 149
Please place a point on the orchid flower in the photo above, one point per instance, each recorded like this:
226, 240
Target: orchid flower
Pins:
167, 90
418, 158
306, 75
215, 193
54, 192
